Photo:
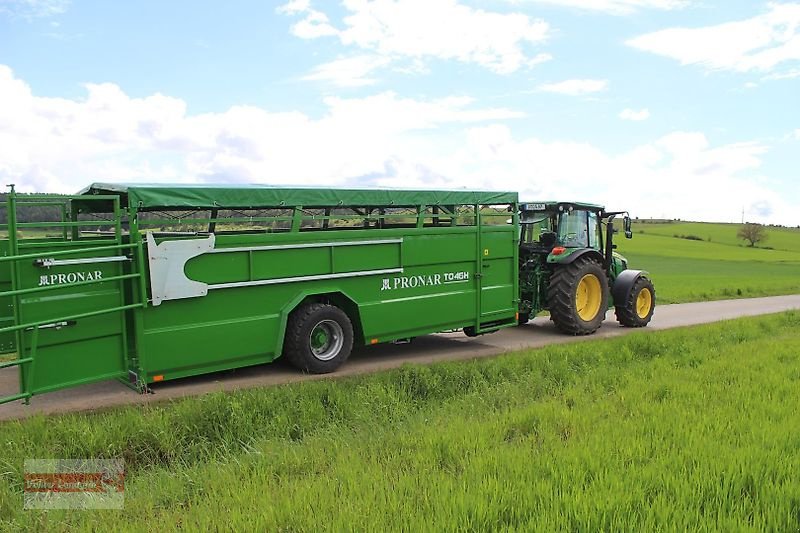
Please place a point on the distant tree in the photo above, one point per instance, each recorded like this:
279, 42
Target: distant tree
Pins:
752, 233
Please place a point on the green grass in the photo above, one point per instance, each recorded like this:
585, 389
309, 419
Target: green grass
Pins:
680, 280
687, 270
777, 238
678, 430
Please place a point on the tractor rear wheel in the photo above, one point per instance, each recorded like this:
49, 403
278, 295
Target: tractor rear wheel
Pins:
578, 296
319, 338
637, 310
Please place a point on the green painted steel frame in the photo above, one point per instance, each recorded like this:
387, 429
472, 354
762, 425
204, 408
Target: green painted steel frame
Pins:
27, 365
434, 221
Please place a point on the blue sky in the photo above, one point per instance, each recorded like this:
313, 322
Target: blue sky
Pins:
677, 108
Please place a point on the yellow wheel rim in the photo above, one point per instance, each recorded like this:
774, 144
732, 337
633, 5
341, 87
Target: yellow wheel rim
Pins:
643, 302
588, 297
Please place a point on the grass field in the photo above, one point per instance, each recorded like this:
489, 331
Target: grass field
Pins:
778, 238
685, 429
688, 270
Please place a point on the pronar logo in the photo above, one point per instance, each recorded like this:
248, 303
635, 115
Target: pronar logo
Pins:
72, 277
412, 282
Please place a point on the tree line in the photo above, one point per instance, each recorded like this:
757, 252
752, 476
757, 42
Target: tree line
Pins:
30, 212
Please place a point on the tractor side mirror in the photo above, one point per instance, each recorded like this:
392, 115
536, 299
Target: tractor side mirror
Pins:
626, 223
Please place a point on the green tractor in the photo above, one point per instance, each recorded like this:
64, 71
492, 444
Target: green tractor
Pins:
568, 267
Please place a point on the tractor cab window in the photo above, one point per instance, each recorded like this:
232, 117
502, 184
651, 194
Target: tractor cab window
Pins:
533, 228
573, 229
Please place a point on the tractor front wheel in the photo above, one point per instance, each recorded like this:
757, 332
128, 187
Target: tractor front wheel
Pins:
578, 297
637, 310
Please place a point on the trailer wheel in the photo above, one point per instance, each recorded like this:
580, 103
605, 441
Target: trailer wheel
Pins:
578, 297
319, 338
637, 311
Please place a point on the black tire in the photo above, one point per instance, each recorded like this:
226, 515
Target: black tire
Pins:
638, 309
573, 313
523, 319
319, 338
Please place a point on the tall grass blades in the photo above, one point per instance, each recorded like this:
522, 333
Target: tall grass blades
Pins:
667, 431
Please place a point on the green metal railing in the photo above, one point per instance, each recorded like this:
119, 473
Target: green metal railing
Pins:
27, 351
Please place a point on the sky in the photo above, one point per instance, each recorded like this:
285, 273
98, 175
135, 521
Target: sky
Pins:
684, 109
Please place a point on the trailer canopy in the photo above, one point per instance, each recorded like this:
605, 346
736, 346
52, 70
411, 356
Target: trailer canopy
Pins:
158, 196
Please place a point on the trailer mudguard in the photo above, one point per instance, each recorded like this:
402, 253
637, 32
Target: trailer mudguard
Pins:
318, 293
624, 284
567, 259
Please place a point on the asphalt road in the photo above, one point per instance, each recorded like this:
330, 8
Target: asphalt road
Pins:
423, 350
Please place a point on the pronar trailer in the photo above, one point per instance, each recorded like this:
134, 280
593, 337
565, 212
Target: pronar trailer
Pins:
147, 283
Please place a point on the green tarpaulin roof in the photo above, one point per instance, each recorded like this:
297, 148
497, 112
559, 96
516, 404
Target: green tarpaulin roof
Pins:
205, 196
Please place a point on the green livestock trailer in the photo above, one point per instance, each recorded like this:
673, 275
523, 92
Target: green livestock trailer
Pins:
148, 283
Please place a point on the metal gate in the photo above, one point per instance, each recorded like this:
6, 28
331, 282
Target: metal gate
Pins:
64, 295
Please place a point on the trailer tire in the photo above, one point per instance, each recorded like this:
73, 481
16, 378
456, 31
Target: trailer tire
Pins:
637, 310
319, 338
578, 296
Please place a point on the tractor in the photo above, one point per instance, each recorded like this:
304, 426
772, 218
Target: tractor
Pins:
569, 267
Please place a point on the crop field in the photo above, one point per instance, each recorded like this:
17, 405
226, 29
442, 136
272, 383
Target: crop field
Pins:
686, 270
679, 430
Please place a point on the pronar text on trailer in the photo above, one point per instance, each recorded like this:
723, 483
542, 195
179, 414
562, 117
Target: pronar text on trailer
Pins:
147, 283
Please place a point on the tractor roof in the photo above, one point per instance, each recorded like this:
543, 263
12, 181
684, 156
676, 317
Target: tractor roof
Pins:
551, 206
207, 196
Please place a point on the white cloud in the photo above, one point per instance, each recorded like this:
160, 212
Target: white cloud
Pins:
59, 145
314, 23
760, 43
632, 114
54, 144
797, 134
295, 7
617, 7
425, 29
538, 59
34, 8
575, 87
349, 71
787, 75
680, 175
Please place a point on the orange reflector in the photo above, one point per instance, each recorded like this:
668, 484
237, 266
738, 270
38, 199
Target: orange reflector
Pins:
159, 377
558, 250
374, 341
516, 316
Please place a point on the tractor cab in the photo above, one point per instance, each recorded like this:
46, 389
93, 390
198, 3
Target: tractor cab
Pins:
569, 266
563, 231
573, 224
